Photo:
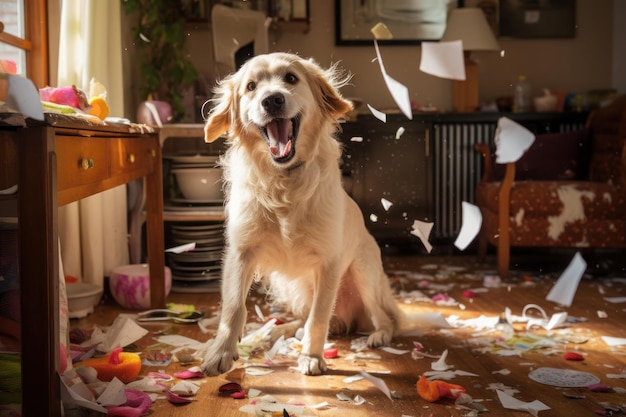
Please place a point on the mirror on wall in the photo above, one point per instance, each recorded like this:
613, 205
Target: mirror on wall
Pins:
410, 21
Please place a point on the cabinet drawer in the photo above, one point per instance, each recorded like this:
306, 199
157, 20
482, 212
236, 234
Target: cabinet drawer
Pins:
137, 155
81, 161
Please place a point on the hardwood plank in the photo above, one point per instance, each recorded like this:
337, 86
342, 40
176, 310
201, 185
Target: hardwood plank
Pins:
286, 384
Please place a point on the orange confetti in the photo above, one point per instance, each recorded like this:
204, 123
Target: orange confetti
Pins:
433, 391
123, 365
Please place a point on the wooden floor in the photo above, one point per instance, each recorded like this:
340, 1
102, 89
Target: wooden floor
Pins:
401, 372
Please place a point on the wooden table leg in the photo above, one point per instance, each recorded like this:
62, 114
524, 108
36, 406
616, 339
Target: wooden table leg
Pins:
154, 230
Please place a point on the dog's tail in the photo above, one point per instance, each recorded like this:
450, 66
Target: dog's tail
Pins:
415, 324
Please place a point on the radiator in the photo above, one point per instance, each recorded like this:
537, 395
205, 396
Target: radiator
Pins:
457, 170
458, 167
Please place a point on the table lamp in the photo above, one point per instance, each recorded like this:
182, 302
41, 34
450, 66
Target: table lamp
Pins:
469, 25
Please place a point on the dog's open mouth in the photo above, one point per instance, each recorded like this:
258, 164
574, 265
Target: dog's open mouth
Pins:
281, 135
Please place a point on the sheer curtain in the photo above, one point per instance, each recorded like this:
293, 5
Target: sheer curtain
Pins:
93, 231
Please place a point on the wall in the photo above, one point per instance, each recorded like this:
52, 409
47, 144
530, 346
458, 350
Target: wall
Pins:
575, 65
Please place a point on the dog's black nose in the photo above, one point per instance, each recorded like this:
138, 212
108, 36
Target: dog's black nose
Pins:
273, 103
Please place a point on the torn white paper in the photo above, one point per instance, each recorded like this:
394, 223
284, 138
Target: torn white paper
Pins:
422, 231
22, 95
378, 383
514, 404
512, 140
122, 332
398, 91
471, 221
443, 59
614, 341
182, 248
565, 288
378, 114
386, 204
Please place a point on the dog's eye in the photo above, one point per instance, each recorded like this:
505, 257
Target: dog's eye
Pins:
290, 78
251, 86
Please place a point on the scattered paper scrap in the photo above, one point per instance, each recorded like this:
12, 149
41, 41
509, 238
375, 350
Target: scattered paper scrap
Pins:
512, 140
514, 404
440, 364
381, 31
400, 132
565, 288
398, 91
614, 341
471, 221
358, 138
378, 383
443, 59
182, 248
422, 231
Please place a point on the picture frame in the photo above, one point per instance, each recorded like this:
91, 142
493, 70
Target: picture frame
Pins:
408, 21
534, 19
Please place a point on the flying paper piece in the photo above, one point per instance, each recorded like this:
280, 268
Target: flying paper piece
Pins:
182, 248
381, 31
386, 203
398, 91
400, 132
443, 59
378, 383
471, 222
512, 140
564, 378
378, 114
373, 218
514, 404
357, 138
23, 96
614, 341
565, 288
422, 231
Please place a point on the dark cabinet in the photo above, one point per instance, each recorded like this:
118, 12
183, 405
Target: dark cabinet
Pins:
390, 165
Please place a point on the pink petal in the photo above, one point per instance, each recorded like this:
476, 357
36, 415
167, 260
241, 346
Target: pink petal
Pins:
189, 374
229, 388
176, 399
137, 404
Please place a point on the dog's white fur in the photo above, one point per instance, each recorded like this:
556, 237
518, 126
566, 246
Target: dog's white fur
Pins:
289, 221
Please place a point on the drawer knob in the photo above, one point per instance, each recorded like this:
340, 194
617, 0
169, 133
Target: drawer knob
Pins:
131, 158
86, 163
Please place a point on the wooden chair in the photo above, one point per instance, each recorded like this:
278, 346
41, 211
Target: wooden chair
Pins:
568, 190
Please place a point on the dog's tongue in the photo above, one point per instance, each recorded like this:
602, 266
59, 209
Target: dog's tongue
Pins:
278, 133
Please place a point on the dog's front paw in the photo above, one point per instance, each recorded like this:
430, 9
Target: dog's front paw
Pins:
311, 365
218, 360
379, 338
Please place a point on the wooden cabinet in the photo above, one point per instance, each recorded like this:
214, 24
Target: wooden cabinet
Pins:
53, 164
389, 161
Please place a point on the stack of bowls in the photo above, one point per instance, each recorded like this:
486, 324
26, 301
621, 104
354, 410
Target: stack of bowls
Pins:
198, 270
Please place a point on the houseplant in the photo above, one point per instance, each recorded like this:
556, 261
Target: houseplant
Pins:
160, 35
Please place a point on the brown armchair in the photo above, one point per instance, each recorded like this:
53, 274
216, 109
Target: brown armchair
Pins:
568, 190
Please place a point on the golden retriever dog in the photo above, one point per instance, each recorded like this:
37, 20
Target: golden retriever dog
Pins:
289, 221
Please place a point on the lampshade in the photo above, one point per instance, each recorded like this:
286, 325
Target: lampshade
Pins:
469, 25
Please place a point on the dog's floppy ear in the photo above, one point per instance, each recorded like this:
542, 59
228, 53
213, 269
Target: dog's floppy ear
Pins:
329, 81
223, 111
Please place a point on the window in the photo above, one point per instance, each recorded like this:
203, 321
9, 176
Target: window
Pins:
24, 37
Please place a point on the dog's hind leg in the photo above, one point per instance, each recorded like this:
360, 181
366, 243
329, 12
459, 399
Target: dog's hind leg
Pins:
237, 278
380, 306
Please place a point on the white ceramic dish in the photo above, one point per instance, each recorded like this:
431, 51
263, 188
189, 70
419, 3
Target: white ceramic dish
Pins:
81, 298
200, 184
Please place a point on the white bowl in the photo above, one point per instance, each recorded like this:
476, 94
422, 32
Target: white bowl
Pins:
81, 298
130, 285
200, 184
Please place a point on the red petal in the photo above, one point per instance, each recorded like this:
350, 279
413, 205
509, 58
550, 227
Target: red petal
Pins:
331, 353
230, 388
571, 356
